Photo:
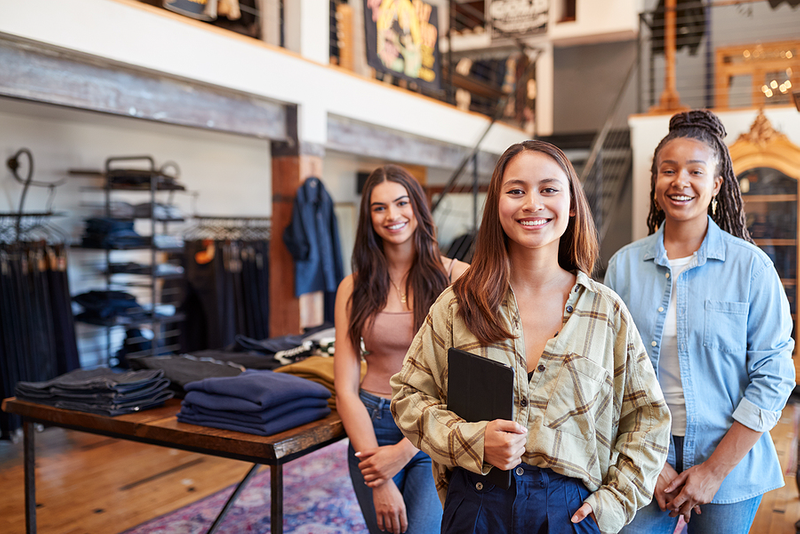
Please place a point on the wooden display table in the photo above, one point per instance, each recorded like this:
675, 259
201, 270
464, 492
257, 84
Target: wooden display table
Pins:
160, 426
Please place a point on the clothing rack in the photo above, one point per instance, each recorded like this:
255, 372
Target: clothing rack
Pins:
226, 261
222, 228
18, 227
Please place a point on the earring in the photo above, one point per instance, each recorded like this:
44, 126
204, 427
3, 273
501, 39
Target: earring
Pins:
714, 206
655, 203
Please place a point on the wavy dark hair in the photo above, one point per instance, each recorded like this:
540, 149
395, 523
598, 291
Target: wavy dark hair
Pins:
427, 277
704, 126
483, 287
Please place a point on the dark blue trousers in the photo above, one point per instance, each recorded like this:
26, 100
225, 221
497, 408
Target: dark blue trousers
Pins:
539, 501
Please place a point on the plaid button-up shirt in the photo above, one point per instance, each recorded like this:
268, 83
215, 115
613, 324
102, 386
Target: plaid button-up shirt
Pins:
593, 407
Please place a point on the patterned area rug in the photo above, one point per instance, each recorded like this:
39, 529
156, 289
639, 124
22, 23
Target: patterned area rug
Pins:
318, 498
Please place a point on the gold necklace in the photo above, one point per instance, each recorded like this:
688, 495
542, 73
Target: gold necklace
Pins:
400, 293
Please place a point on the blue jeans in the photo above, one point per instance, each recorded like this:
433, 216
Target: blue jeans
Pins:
415, 480
734, 518
538, 501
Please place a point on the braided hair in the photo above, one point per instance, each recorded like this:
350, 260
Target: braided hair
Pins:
704, 126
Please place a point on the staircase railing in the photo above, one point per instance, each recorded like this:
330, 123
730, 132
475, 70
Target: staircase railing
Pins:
608, 168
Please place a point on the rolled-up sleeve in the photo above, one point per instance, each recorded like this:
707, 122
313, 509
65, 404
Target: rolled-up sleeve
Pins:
769, 352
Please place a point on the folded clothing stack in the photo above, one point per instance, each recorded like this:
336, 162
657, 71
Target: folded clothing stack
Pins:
101, 391
318, 369
182, 369
256, 402
107, 232
109, 307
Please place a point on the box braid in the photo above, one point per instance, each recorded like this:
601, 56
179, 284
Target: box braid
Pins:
706, 127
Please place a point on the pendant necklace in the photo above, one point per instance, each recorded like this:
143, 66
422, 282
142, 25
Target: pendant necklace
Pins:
400, 293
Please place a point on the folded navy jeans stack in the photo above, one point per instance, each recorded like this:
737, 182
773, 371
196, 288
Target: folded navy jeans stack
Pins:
107, 232
101, 391
109, 307
256, 402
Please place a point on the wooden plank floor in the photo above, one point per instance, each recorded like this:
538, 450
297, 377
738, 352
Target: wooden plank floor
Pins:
89, 484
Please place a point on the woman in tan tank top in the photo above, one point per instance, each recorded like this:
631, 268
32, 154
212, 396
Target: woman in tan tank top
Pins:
397, 274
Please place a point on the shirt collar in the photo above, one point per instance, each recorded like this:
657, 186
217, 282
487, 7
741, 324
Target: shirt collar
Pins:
582, 279
713, 246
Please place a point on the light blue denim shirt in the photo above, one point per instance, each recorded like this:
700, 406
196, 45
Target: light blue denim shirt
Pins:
734, 345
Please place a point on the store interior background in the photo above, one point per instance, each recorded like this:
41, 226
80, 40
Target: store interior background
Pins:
579, 72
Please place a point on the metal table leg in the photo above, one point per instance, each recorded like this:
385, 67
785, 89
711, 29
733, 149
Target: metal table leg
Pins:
29, 452
232, 499
276, 486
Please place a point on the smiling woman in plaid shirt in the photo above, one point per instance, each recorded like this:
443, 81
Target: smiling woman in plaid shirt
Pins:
590, 428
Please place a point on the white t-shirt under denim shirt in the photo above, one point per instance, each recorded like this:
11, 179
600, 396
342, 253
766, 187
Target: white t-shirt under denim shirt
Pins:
669, 367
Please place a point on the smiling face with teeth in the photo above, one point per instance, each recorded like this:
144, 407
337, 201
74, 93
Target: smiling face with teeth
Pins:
686, 182
534, 204
392, 213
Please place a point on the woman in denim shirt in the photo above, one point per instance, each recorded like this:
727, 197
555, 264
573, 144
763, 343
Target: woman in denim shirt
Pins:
716, 322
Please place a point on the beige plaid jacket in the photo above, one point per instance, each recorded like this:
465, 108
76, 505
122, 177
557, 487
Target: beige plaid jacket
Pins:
593, 408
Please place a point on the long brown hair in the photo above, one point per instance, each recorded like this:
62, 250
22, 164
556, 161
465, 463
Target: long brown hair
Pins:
427, 277
704, 126
481, 290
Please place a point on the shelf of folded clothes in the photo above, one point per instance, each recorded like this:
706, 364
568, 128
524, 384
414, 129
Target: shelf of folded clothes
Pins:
163, 271
131, 180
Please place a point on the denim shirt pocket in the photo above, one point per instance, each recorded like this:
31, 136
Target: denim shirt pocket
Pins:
581, 390
725, 325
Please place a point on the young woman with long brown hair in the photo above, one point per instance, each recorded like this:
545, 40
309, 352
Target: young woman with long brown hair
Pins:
397, 274
590, 427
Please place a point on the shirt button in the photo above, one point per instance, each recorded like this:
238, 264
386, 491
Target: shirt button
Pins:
666, 274
653, 343
541, 368
660, 309
523, 402
479, 486
569, 309
520, 471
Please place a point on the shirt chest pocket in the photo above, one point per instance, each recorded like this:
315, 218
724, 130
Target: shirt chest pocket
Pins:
725, 325
583, 391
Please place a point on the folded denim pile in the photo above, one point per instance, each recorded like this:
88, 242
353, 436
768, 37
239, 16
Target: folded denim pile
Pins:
283, 349
256, 402
158, 211
107, 232
182, 369
168, 241
101, 391
119, 209
107, 308
132, 267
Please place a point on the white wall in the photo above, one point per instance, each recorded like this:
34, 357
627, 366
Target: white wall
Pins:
648, 130
598, 21
141, 35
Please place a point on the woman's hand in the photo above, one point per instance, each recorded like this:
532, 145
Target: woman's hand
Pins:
663, 498
381, 464
700, 484
582, 512
504, 443
390, 509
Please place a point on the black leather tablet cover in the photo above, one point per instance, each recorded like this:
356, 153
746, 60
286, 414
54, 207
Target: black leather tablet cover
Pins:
480, 389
